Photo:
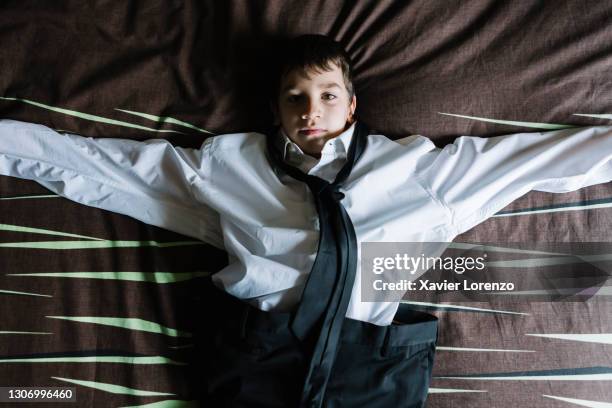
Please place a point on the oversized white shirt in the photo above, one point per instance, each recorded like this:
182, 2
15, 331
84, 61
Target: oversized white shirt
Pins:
227, 194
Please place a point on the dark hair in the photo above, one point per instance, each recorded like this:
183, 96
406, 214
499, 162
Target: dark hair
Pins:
313, 52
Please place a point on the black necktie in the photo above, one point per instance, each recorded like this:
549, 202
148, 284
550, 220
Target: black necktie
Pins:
327, 292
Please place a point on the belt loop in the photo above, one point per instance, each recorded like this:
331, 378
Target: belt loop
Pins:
245, 317
437, 336
385, 344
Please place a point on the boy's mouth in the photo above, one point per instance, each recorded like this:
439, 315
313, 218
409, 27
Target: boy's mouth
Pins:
310, 131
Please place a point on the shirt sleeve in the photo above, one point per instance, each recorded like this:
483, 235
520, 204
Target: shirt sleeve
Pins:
476, 177
150, 181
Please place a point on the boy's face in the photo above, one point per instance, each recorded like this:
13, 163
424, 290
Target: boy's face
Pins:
314, 107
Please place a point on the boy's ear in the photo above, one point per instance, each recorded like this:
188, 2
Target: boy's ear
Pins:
352, 108
275, 114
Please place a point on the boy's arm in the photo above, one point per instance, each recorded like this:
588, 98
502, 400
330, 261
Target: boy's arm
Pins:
476, 177
150, 181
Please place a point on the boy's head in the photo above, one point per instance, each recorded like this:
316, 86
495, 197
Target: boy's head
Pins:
314, 99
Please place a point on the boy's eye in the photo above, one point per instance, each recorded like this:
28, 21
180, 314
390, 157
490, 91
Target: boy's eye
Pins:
293, 98
329, 97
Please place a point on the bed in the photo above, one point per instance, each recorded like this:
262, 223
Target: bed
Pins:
117, 309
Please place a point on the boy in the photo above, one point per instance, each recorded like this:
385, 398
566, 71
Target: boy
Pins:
291, 210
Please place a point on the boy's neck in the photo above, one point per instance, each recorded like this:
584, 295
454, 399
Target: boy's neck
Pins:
295, 156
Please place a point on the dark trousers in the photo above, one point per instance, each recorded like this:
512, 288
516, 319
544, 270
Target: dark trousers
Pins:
255, 360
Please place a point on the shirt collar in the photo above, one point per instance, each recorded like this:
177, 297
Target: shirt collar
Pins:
289, 148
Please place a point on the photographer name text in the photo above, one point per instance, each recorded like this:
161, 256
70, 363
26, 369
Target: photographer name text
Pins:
427, 285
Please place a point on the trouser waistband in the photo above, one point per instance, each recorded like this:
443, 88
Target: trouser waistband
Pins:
414, 327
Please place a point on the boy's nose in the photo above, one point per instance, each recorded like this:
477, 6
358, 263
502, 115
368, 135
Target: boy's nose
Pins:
311, 110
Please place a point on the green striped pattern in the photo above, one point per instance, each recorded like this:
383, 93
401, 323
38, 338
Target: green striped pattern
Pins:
112, 388
168, 404
103, 244
95, 359
581, 402
160, 120
126, 323
16, 292
154, 277
87, 116
537, 125
29, 197
165, 119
